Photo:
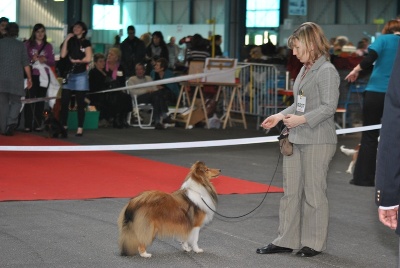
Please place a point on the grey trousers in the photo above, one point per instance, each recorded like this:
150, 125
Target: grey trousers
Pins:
304, 211
10, 106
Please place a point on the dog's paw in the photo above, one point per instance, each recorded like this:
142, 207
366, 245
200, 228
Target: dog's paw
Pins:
197, 250
145, 255
186, 247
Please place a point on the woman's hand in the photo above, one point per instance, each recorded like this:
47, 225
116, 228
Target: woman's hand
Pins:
41, 59
292, 120
272, 120
353, 75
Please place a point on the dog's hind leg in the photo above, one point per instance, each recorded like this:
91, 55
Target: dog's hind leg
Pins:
350, 168
142, 251
193, 238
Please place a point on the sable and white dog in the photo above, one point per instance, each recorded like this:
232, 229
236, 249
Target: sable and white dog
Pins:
179, 215
353, 153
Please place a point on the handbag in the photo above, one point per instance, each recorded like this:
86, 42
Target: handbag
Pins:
285, 146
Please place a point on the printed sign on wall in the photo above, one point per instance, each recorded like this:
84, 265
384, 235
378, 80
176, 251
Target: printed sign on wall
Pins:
298, 7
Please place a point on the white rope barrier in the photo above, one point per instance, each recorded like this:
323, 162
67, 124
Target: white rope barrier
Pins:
163, 146
177, 79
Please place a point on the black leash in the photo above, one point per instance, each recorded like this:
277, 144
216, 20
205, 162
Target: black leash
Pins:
251, 211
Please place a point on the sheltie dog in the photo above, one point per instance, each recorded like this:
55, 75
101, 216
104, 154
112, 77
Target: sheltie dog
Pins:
178, 215
353, 153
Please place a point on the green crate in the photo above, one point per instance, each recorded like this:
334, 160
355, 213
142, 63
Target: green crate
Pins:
91, 120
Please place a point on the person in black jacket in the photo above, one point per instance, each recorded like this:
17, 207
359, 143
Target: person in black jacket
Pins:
133, 51
97, 82
387, 195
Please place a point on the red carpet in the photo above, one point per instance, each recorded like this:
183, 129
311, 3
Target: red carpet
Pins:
83, 175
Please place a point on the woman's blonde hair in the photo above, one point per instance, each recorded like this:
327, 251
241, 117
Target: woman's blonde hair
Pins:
116, 51
312, 36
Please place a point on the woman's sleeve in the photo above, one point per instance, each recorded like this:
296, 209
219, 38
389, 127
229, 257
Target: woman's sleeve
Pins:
49, 52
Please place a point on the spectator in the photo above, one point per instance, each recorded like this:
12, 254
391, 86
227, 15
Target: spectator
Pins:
41, 56
217, 40
340, 42
362, 47
199, 49
169, 92
381, 54
257, 56
117, 41
133, 51
173, 52
3, 24
149, 95
14, 59
157, 49
268, 48
97, 82
78, 51
146, 38
119, 102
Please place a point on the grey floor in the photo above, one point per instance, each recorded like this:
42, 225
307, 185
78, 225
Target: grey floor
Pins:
83, 233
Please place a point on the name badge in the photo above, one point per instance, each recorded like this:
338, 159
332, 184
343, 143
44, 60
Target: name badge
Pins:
119, 73
301, 104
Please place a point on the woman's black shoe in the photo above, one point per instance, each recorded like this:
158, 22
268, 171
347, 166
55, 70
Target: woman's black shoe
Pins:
272, 249
307, 252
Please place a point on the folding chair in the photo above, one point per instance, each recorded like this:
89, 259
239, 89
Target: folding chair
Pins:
137, 108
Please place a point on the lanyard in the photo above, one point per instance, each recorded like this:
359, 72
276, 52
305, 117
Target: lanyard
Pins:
300, 92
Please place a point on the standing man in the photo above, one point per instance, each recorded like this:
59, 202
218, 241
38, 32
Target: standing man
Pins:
3, 25
133, 51
173, 51
387, 177
13, 62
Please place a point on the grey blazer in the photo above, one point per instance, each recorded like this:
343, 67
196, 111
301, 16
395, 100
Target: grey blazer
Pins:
320, 86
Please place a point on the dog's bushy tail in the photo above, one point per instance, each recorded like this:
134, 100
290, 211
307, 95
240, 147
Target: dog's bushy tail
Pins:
128, 241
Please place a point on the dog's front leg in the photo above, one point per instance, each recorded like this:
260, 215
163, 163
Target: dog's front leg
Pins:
193, 238
186, 246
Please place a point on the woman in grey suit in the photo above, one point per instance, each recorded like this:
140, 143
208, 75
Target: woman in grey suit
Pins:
304, 212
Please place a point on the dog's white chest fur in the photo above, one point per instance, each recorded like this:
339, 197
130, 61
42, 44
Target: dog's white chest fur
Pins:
199, 195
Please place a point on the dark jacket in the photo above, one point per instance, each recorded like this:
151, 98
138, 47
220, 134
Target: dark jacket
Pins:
387, 176
133, 51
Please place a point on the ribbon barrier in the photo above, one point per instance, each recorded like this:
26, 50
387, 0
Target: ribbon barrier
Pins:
163, 146
177, 79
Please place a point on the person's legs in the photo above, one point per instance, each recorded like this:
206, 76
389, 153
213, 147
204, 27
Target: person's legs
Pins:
315, 216
65, 99
155, 99
29, 108
364, 170
290, 204
80, 100
4, 106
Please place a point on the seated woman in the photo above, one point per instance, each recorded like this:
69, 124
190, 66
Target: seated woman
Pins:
169, 92
97, 82
119, 102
